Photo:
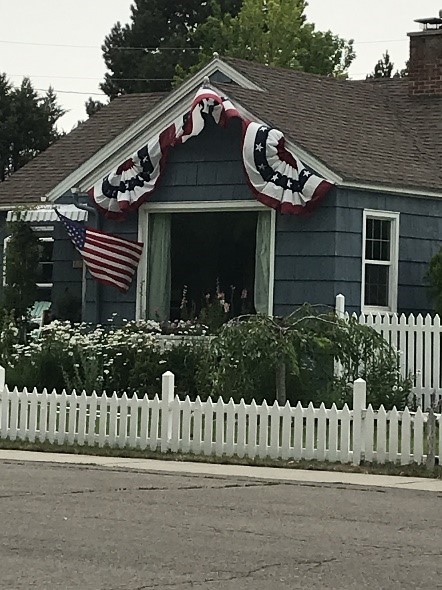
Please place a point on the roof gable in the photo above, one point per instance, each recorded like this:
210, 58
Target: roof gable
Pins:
371, 133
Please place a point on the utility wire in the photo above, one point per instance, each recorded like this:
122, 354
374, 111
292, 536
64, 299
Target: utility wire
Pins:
6, 41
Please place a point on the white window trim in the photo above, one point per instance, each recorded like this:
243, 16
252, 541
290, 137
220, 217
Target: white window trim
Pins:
194, 207
5, 244
45, 285
392, 216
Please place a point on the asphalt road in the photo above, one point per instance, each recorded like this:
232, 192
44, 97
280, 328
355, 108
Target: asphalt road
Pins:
78, 527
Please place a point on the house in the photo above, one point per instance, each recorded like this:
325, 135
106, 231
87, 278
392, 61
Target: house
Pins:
379, 142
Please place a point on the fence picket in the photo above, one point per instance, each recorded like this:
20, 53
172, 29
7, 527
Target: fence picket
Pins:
71, 410
242, 436
345, 435
418, 437
275, 430
122, 432
43, 416
33, 406
187, 420
393, 435
251, 447
81, 426
146, 435
219, 427
174, 441
208, 427
298, 451
310, 433
406, 437
381, 435
53, 415
368, 431
61, 428
23, 397
133, 422
286, 431
321, 438
102, 424
197, 426
263, 413
230, 428
332, 450
439, 449
92, 426
13, 399
154, 435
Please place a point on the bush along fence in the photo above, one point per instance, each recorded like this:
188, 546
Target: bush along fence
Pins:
418, 341
168, 423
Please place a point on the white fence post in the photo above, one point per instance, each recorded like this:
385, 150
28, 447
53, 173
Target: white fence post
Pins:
340, 306
167, 396
2, 395
359, 405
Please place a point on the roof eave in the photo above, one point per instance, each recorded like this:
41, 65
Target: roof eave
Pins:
135, 131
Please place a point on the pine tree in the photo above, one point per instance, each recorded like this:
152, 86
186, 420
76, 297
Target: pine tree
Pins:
27, 124
143, 55
21, 268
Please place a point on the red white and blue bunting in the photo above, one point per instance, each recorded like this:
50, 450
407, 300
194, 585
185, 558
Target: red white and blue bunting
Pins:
275, 175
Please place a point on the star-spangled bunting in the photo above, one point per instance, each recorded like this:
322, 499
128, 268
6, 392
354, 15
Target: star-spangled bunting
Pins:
110, 259
276, 176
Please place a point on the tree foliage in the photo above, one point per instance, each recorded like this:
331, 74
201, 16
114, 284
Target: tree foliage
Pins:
142, 56
22, 257
27, 124
384, 69
434, 278
93, 106
275, 33
169, 40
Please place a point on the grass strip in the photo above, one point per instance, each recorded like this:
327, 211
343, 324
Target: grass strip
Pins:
412, 470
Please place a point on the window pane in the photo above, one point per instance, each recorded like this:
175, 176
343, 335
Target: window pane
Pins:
377, 242
376, 285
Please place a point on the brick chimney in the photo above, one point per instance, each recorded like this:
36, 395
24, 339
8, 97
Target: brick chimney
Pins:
425, 65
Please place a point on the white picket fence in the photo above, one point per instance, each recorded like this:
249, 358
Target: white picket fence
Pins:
418, 341
208, 428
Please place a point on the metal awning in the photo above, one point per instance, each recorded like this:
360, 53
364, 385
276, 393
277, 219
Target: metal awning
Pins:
46, 213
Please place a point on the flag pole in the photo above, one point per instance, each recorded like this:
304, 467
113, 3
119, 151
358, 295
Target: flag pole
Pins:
76, 194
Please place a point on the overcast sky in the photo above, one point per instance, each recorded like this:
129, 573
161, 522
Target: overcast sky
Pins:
58, 42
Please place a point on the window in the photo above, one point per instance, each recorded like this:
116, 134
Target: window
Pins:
380, 260
45, 266
198, 250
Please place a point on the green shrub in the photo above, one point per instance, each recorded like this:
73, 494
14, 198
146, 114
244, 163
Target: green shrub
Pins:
241, 362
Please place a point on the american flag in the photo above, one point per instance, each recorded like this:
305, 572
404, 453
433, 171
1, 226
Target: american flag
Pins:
110, 259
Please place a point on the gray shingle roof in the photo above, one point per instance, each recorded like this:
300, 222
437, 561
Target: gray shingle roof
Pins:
366, 131
63, 157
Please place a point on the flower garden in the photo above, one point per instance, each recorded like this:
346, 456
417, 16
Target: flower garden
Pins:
307, 357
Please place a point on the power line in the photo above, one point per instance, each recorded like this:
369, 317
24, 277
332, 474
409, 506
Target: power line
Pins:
88, 78
146, 49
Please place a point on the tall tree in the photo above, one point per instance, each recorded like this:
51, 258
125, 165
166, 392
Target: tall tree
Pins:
276, 33
142, 56
21, 268
27, 124
384, 69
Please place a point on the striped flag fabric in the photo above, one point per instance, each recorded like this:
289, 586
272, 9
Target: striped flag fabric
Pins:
110, 259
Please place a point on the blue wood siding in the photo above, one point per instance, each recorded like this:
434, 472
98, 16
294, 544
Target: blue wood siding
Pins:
420, 237
316, 256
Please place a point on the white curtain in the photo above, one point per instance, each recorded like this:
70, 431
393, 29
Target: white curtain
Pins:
262, 262
158, 275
